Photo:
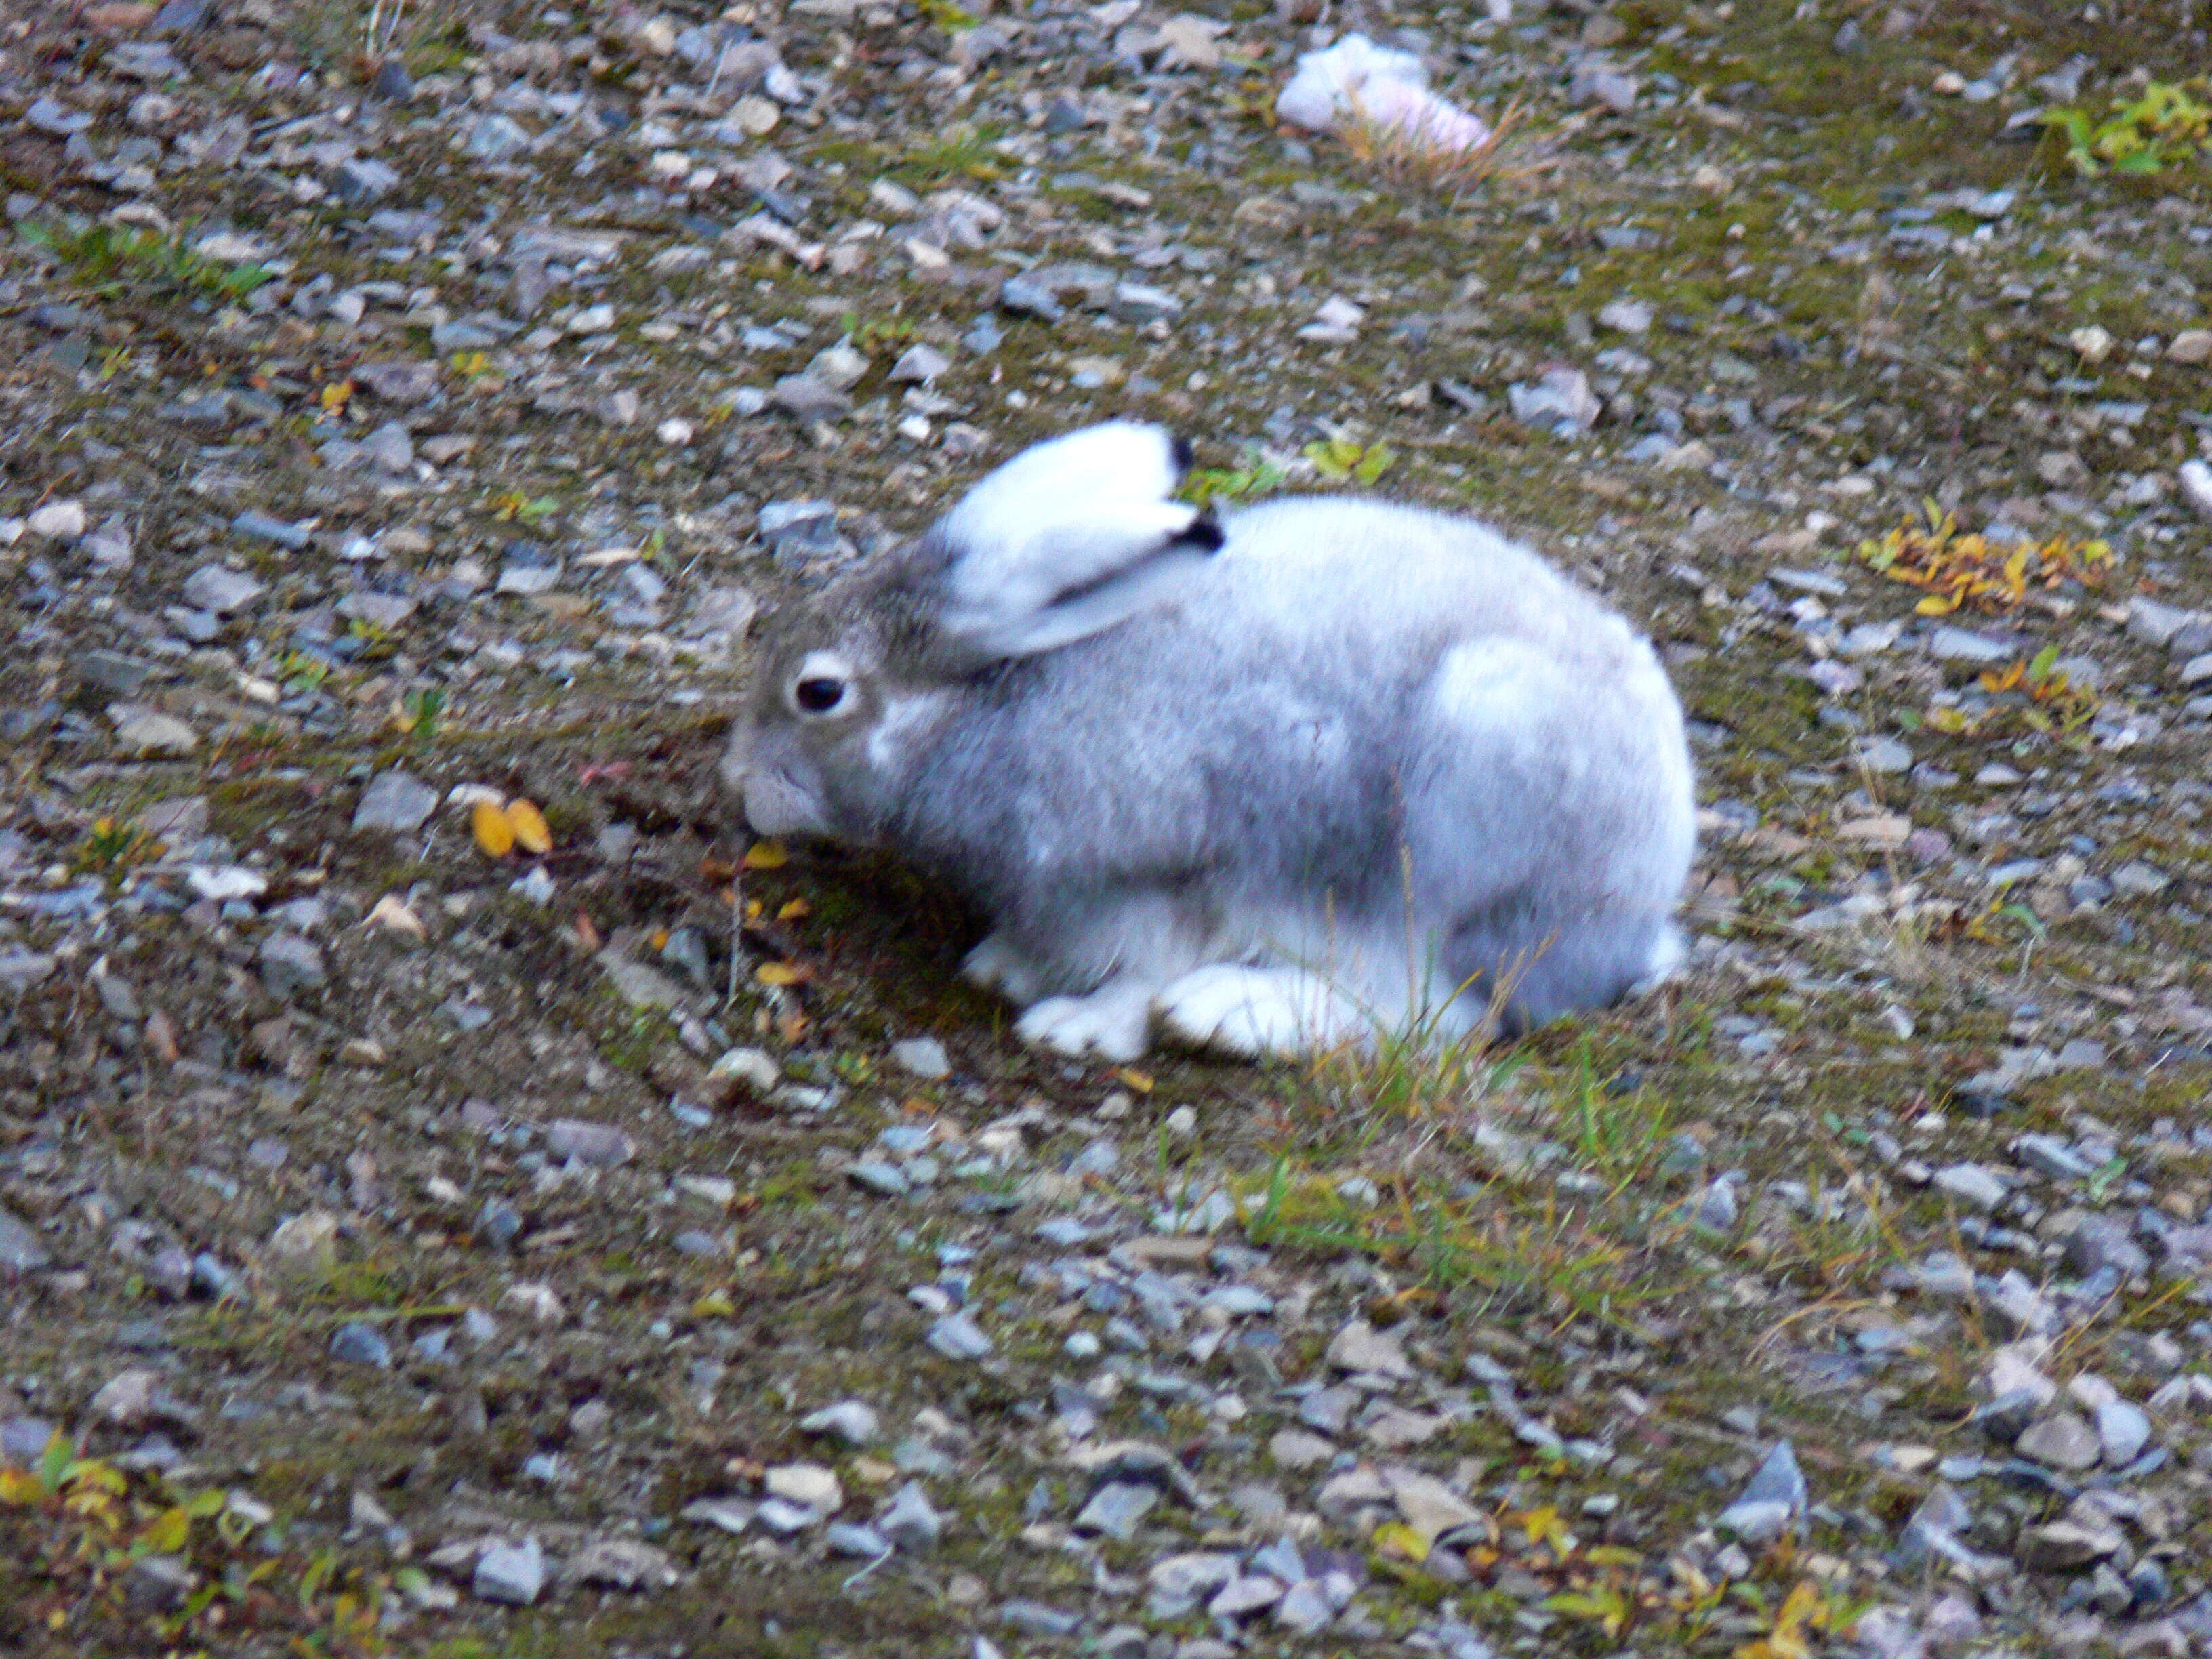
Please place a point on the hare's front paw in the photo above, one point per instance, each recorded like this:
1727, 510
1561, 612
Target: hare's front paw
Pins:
1113, 1023
998, 966
1251, 1012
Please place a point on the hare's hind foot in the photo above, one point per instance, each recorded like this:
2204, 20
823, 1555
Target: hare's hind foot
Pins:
1112, 1023
1253, 1013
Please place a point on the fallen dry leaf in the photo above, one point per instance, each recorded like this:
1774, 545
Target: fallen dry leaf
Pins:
493, 832
531, 832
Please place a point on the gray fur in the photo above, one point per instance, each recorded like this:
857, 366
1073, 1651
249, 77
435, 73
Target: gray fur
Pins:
1381, 749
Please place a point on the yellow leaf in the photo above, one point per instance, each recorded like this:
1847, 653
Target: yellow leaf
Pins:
1935, 605
1802, 1604
1946, 719
1397, 1540
531, 832
167, 1533
779, 973
494, 833
765, 856
1130, 1077
334, 395
795, 911
715, 1304
20, 1488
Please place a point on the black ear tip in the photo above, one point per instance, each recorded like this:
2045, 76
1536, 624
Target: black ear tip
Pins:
1180, 453
1205, 531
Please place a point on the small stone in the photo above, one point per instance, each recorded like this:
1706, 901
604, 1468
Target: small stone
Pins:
21, 1250
1886, 756
853, 1421
909, 1520
2191, 345
595, 1145
2065, 1547
1115, 1510
1934, 1528
61, 521
864, 1543
1972, 1184
2103, 1242
2124, 1429
624, 1563
2136, 879
126, 1400
2062, 1441
1625, 317
780, 1515
1771, 1503
361, 179
292, 964
1240, 1597
1429, 1506
925, 1057
1035, 1619
958, 1337
920, 365
2196, 480
1291, 1449
1560, 402
809, 1484
356, 1343
499, 1224
395, 801
809, 399
1949, 644
1359, 1347
218, 588
495, 138
146, 732
513, 1574
1306, 1606
1192, 1575
884, 1179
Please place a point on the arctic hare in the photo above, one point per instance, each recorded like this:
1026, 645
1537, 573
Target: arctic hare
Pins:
1325, 767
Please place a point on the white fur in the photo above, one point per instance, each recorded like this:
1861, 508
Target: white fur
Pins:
903, 718
1113, 1023
1059, 543
1255, 1012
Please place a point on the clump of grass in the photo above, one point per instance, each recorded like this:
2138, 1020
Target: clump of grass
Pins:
1407, 156
1537, 1255
113, 259
963, 152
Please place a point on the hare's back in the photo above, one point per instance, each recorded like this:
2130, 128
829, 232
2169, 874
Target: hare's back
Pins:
1368, 570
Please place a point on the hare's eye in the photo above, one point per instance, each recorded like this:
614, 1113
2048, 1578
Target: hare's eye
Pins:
818, 695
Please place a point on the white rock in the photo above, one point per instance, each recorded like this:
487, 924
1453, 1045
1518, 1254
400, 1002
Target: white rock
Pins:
2196, 480
61, 521
810, 1484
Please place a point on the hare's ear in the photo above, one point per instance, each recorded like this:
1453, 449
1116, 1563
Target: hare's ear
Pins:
1067, 540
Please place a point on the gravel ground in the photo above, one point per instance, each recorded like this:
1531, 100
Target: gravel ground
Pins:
433, 1225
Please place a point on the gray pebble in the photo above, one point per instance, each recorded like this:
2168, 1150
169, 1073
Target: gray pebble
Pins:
513, 1574
356, 1343
958, 1337
395, 801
